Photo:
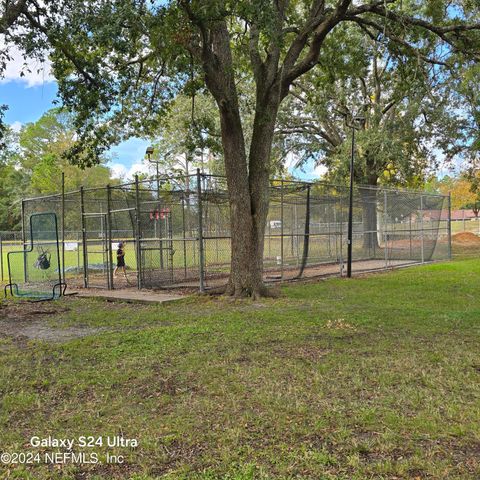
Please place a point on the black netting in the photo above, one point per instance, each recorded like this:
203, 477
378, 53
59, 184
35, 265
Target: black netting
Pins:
34, 270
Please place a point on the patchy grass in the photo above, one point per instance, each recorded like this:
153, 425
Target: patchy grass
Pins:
375, 377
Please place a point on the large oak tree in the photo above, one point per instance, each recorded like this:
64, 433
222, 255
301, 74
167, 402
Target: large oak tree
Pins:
414, 115
119, 62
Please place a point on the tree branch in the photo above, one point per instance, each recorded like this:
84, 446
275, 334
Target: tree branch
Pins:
255, 58
11, 14
315, 17
363, 22
62, 46
440, 31
325, 23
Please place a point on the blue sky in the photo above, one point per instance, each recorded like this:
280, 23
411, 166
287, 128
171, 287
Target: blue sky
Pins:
30, 96
28, 102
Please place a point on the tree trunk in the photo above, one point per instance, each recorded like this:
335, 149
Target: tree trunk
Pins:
247, 182
248, 197
246, 270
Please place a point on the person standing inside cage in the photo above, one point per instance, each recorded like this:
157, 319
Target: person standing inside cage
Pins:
120, 260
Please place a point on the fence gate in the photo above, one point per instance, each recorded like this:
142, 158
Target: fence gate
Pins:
156, 249
96, 251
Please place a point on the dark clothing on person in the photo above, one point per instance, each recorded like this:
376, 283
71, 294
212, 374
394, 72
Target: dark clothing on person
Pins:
120, 258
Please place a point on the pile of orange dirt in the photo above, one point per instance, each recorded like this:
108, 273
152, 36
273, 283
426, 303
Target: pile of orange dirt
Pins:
466, 238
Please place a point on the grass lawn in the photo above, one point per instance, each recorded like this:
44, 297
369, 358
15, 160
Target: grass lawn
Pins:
374, 377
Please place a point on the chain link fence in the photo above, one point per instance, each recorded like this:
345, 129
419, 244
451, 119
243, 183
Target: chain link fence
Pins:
176, 231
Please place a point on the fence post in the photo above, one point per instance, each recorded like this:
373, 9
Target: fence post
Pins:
138, 248
410, 235
340, 229
306, 237
281, 230
24, 243
449, 225
327, 219
109, 238
335, 228
350, 219
78, 254
295, 231
84, 238
63, 227
292, 232
159, 220
421, 226
1, 257
184, 237
200, 232
385, 223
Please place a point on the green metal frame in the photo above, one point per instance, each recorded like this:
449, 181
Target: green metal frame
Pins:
58, 289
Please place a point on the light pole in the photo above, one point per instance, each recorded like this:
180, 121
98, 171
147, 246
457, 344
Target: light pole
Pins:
149, 152
358, 120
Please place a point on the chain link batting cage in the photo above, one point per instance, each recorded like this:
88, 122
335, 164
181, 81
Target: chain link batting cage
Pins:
176, 232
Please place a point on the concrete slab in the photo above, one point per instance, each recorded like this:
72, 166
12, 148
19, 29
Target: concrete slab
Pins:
127, 295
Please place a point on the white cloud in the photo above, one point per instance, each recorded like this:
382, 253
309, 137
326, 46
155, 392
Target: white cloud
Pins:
290, 161
320, 171
16, 126
137, 168
40, 73
118, 170
127, 173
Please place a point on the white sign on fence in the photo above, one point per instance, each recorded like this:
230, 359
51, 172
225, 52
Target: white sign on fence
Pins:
275, 224
71, 246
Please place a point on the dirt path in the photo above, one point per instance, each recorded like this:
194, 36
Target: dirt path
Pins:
29, 321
